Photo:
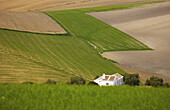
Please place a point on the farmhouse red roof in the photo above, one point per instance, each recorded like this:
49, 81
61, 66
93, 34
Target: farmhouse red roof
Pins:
118, 76
112, 78
106, 78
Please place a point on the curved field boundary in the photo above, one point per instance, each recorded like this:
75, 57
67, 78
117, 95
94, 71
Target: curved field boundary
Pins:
65, 28
103, 36
67, 34
149, 24
33, 56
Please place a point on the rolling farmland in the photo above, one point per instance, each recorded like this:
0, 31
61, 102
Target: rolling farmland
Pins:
65, 97
38, 57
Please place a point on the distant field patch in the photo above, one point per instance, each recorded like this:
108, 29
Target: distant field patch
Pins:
30, 22
25, 5
48, 5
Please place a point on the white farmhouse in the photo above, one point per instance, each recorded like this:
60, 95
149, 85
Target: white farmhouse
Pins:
105, 80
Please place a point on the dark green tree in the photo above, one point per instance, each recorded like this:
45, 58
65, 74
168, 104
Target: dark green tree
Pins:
131, 79
166, 85
49, 81
78, 81
154, 81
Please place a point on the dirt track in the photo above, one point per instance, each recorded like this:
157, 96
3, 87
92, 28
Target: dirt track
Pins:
46, 5
29, 21
151, 26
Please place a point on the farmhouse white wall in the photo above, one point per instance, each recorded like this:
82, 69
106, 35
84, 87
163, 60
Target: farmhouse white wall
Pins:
106, 80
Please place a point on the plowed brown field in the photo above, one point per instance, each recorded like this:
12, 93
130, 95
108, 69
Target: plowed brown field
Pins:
149, 25
29, 21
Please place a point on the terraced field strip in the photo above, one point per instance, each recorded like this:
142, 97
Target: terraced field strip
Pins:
30, 22
103, 36
66, 97
60, 56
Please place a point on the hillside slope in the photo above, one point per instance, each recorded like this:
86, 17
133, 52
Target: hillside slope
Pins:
36, 57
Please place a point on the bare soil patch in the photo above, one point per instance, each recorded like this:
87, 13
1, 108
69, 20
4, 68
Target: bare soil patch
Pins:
29, 21
48, 5
142, 74
149, 25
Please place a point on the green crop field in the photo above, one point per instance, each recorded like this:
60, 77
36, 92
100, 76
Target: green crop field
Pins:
103, 36
65, 97
38, 57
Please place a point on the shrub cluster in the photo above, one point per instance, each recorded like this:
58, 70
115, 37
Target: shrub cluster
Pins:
78, 81
156, 82
166, 85
131, 79
28, 82
49, 81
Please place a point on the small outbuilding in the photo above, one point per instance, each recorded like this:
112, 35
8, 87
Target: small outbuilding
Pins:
109, 80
